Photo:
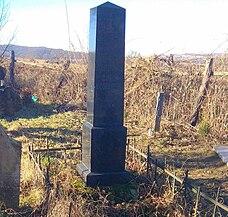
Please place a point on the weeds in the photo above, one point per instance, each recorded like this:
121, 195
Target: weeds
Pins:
204, 128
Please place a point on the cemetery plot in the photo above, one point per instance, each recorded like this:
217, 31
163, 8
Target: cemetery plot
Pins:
50, 128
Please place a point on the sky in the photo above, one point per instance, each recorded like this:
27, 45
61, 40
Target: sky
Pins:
152, 26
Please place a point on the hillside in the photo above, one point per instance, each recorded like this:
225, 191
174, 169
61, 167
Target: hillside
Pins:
39, 52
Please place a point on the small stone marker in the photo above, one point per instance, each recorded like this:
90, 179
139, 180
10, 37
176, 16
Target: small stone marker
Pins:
222, 152
10, 164
104, 136
158, 112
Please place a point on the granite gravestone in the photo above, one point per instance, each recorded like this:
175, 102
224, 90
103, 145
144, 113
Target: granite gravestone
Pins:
104, 136
10, 164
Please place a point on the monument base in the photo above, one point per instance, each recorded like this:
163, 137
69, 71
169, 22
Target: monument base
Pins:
102, 179
103, 148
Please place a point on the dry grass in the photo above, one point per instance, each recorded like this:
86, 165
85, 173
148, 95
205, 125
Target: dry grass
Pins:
140, 197
144, 79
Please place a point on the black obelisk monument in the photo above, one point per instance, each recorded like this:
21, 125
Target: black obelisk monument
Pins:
104, 136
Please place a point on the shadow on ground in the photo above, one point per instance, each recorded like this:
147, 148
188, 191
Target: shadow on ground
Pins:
210, 187
206, 168
194, 161
32, 111
36, 110
56, 135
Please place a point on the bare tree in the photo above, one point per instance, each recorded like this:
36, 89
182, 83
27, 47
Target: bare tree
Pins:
4, 17
4, 13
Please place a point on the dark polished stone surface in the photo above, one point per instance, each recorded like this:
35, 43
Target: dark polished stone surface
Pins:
102, 179
103, 149
104, 136
105, 98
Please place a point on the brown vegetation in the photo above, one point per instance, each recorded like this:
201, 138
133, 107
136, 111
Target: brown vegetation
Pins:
144, 78
184, 147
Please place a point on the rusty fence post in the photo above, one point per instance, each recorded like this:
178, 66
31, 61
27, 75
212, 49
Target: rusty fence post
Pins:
173, 187
185, 192
148, 161
216, 199
197, 202
155, 170
70, 208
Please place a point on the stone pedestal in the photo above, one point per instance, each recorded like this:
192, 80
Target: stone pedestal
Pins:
104, 136
10, 164
103, 155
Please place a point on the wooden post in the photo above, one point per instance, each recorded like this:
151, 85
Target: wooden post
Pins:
202, 91
158, 112
11, 68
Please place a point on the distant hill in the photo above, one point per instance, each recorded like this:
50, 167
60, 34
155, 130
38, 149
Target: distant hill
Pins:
52, 54
40, 52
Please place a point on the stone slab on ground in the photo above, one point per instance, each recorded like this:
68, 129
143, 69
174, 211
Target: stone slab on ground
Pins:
222, 152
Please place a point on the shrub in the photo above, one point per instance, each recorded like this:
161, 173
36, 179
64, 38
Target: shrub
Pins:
204, 128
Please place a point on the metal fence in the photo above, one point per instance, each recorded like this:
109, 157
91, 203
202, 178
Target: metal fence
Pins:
198, 203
